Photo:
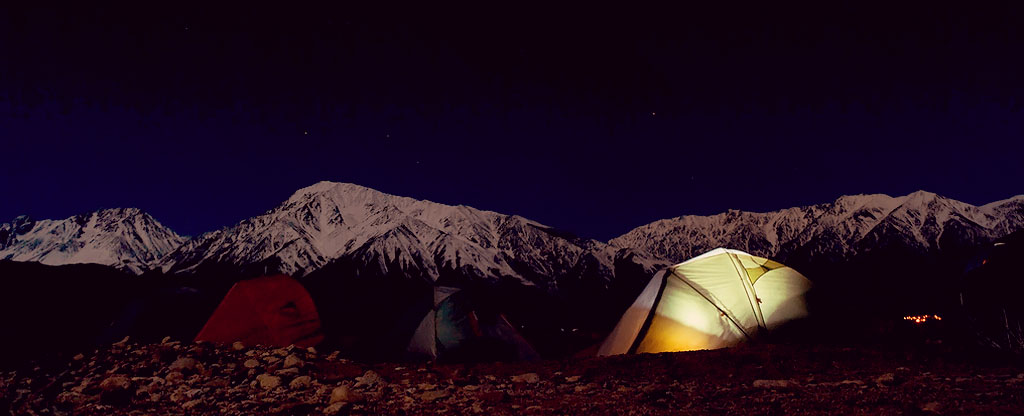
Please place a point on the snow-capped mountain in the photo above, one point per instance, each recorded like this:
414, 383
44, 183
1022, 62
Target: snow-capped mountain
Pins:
386, 234
922, 222
125, 238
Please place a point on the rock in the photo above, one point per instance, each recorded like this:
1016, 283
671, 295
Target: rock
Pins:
174, 377
68, 398
268, 381
191, 404
237, 346
191, 394
300, 382
572, 379
334, 408
184, 365
288, 372
116, 389
78, 357
344, 394
177, 396
775, 384
432, 395
122, 341
932, 407
526, 378
293, 361
369, 379
165, 340
311, 350
887, 379
251, 364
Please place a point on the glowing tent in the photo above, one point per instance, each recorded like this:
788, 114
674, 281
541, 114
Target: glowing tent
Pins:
274, 310
456, 329
715, 300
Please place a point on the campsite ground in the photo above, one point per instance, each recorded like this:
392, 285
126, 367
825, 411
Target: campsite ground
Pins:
172, 378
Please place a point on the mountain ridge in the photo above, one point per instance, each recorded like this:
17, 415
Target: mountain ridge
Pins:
331, 221
126, 238
838, 227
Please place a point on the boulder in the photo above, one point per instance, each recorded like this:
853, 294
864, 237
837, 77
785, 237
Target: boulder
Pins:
268, 381
344, 394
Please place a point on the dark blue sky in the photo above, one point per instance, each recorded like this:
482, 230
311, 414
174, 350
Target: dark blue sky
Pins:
592, 120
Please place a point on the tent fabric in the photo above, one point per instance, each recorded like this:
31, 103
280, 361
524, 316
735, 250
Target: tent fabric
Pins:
715, 300
272, 310
454, 330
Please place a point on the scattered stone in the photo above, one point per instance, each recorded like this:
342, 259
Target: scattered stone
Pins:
293, 361
116, 390
932, 407
78, 357
345, 394
529, 378
122, 341
165, 340
572, 379
887, 379
300, 382
369, 379
174, 377
191, 404
251, 364
775, 384
288, 372
184, 365
334, 408
268, 381
432, 395
237, 346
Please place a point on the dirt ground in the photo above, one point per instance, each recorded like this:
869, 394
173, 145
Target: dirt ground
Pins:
205, 379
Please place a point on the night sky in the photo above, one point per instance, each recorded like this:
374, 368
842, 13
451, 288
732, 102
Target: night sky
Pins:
591, 120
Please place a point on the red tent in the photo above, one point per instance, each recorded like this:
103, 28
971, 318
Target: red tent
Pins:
273, 310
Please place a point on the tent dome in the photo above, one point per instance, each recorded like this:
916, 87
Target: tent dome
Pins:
715, 300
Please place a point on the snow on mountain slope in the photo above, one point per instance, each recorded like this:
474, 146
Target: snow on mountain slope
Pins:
387, 234
126, 238
849, 226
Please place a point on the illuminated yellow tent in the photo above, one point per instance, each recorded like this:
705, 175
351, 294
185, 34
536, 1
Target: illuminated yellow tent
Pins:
715, 300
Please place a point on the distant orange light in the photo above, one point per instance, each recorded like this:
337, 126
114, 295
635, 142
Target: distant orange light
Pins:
920, 319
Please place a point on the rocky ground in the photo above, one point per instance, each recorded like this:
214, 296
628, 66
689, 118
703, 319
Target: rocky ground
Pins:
201, 379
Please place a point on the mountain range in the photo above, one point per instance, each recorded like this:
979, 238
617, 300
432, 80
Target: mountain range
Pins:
381, 234
849, 227
125, 238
